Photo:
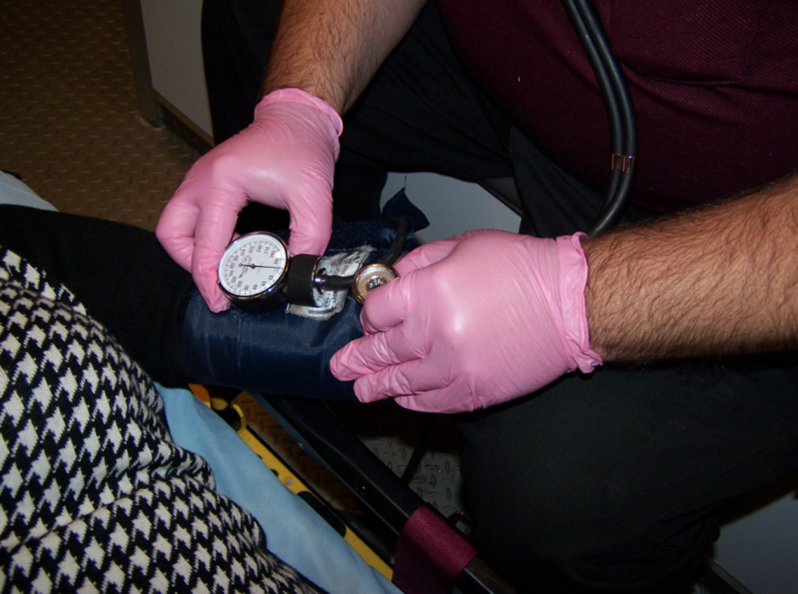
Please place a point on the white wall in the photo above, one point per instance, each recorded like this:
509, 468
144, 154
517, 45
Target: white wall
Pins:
451, 206
759, 550
172, 29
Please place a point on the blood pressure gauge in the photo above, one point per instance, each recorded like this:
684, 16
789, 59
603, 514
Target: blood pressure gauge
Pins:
258, 274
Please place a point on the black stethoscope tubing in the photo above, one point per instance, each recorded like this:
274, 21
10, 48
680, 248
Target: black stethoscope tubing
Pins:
619, 106
338, 283
623, 132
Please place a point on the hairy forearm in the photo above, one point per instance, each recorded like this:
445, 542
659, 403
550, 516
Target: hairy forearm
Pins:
331, 49
720, 281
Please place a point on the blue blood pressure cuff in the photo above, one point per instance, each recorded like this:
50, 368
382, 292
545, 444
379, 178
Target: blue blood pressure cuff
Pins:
287, 351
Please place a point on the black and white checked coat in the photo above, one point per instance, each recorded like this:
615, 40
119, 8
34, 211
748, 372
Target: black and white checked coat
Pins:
94, 495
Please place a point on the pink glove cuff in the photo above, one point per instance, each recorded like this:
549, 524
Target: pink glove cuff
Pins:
573, 271
299, 96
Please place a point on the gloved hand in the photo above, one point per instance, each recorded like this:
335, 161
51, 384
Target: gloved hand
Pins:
284, 159
472, 321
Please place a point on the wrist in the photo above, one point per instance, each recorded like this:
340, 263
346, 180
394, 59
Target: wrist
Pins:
295, 95
573, 279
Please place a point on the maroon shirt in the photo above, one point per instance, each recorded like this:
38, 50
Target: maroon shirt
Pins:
714, 83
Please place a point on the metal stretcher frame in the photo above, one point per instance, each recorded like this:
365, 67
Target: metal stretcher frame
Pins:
322, 435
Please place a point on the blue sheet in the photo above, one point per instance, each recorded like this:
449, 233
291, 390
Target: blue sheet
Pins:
294, 532
13, 191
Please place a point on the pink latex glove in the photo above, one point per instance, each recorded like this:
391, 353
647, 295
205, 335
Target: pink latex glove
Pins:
473, 321
284, 159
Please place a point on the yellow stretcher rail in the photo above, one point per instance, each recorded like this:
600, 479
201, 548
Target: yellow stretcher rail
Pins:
294, 482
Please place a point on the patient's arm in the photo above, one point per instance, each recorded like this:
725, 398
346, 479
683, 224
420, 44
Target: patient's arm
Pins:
723, 280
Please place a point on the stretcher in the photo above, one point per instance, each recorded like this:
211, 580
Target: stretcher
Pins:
423, 551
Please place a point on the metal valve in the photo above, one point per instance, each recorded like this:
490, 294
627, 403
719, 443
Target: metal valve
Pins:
370, 277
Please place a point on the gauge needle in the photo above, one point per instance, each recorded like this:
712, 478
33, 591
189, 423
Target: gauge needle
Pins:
258, 266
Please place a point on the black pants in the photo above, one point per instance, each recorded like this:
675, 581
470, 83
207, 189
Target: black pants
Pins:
120, 273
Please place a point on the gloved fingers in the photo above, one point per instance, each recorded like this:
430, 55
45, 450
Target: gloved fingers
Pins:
405, 379
310, 225
214, 231
449, 400
427, 254
374, 353
386, 306
454, 397
175, 231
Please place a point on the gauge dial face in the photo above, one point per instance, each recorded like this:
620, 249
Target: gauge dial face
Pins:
252, 265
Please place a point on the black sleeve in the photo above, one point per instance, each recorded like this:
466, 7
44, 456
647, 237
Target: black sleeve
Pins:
121, 274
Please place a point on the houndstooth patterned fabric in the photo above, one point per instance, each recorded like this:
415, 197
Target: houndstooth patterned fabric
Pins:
94, 495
